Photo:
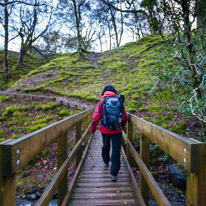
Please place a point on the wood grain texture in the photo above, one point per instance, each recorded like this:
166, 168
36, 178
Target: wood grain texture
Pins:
145, 155
61, 157
94, 185
154, 187
181, 149
32, 144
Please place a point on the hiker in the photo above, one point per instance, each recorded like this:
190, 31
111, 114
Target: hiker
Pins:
110, 132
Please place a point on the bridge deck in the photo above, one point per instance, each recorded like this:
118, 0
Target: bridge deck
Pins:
94, 185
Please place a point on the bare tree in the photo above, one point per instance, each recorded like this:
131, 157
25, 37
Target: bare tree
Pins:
30, 17
7, 6
75, 15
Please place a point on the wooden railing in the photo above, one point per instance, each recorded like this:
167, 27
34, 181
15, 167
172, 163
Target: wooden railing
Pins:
15, 154
191, 154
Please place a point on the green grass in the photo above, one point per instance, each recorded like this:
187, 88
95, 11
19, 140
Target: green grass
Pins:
20, 117
130, 68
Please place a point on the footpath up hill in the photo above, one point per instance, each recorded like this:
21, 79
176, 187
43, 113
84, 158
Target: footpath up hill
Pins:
130, 68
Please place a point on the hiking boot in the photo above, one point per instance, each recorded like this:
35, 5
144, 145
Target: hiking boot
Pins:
114, 178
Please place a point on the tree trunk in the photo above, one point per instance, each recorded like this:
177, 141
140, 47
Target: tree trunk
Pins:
115, 27
77, 20
6, 40
100, 41
21, 57
110, 36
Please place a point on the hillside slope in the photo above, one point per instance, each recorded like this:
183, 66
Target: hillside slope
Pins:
130, 68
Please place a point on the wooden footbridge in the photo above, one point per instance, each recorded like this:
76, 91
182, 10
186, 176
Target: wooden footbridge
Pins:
91, 184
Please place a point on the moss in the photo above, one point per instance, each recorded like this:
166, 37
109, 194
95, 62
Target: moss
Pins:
15, 136
143, 109
155, 175
65, 113
2, 133
48, 106
147, 118
154, 109
37, 165
45, 120
129, 109
178, 129
36, 127
4, 99
46, 152
2, 139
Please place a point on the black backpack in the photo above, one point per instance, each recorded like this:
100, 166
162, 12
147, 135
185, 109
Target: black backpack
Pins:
112, 112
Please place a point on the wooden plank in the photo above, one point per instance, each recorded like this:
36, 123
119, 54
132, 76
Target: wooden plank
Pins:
9, 191
94, 185
115, 195
72, 184
100, 180
145, 156
103, 202
129, 135
1, 175
79, 107
103, 190
86, 122
2, 93
61, 157
106, 172
192, 189
154, 187
181, 149
32, 144
7, 184
202, 174
78, 136
100, 176
59, 176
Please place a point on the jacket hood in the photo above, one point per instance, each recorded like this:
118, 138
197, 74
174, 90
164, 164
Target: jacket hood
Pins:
109, 94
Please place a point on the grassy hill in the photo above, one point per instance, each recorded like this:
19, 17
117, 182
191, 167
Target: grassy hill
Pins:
130, 68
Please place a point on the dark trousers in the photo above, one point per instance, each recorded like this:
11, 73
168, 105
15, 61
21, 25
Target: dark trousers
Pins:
116, 140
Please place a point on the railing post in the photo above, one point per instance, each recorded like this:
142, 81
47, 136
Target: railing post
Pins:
1, 176
192, 189
78, 136
196, 183
7, 184
86, 123
129, 135
61, 157
144, 154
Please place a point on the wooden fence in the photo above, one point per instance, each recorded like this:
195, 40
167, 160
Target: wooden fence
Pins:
190, 153
15, 154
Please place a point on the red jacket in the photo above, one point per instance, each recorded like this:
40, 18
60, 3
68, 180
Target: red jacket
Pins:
98, 116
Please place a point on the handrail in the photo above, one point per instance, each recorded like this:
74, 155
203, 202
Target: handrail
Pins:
72, 184
181, 149
136, 187
17, 153
14, 154
188, 152
54, 184
154, 187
